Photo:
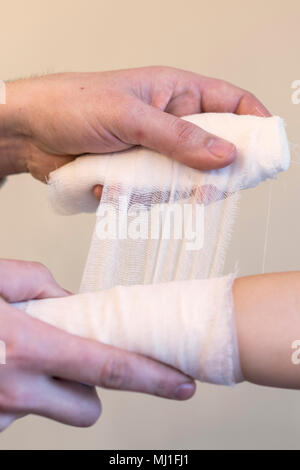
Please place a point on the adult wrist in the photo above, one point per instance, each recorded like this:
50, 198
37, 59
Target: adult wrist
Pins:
13, 139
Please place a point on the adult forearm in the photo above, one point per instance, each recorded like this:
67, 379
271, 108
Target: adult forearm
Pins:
268, 322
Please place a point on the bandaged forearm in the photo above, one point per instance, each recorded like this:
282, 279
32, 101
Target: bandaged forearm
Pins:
189, 325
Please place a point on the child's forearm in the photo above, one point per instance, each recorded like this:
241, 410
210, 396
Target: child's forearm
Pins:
268, 322
187, 324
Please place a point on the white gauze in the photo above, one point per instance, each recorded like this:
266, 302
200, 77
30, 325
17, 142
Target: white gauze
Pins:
160, 220
176, 323
166, 225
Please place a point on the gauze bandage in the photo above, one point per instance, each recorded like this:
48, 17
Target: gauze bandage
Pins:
161, 221
177, 323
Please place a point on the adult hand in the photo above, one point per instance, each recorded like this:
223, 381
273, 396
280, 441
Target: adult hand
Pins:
50, 120
51, 373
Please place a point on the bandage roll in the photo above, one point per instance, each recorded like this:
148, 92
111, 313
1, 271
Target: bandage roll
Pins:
138, 238
262, 146
189, 325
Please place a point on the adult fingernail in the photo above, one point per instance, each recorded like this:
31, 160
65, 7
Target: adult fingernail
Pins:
221, 148
97, 191
185, 391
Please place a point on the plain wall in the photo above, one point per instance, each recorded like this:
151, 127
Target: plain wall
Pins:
253, 44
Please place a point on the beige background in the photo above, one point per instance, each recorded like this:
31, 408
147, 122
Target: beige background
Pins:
254, 44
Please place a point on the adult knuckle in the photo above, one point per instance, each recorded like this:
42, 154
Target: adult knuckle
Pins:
161, 388
113, 373
19, 351
129, 120
41, 268
160, 70
185, 132
42, 273
192, 89
35, 268
157, 68
138, 115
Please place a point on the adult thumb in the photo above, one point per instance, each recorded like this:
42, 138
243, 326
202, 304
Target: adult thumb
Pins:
177, 138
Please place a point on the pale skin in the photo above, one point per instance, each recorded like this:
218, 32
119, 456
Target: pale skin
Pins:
268, 323
47, 122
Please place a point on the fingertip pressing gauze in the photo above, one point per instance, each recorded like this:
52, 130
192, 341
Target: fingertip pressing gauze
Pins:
189, 325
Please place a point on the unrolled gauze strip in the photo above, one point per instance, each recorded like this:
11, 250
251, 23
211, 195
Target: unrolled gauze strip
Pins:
139, 184
189, 325
263, 151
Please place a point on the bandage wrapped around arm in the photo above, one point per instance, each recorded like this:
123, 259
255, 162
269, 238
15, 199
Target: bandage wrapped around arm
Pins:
189, 325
